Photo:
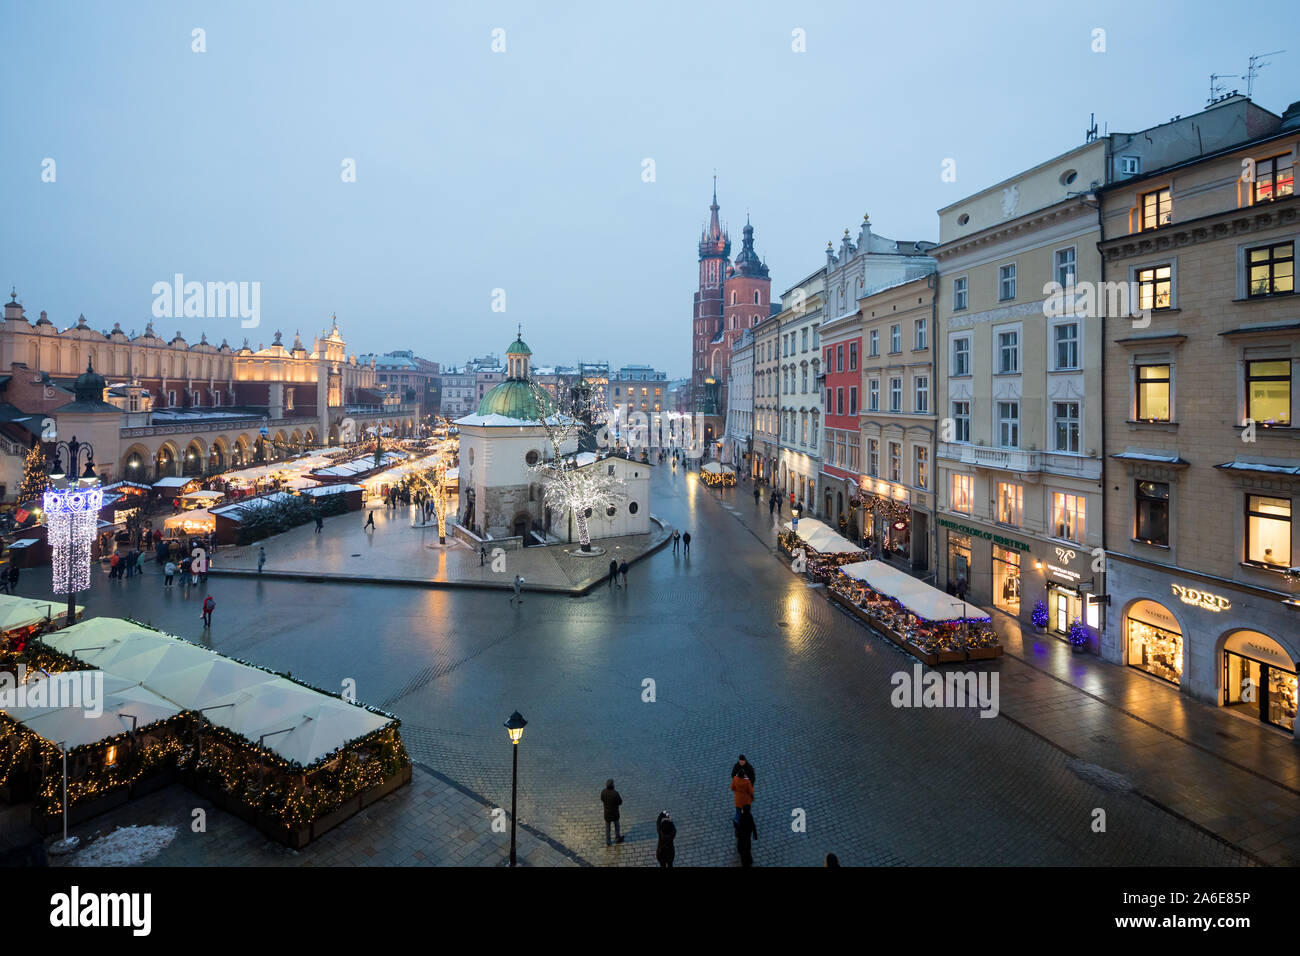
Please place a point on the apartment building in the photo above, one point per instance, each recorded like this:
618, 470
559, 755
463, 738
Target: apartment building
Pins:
738, 439
798, 397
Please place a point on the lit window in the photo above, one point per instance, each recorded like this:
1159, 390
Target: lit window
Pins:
922, 467
873, 457
1157, 209
1011, 503
1274, 178
1268, 531
873, 395
1268, 392
895, 461
963, 492
1272, 270
1152, 384
1155, 287
1068, 513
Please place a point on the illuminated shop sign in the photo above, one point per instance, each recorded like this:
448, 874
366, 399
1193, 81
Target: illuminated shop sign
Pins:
1201, 599
980, 533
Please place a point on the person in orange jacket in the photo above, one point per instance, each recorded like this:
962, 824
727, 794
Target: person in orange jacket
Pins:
743, 788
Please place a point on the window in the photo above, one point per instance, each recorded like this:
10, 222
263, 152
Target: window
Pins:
1066, 341
873, 395
921, 467
961, 356
1155, 287
839, 401
895, 338
1271, 270
1152, 512
922, 394
959, 294
1009, 424
1268, 392
1068, 516
839, 358
961, 422
803, 340
853, 451
853, 356
853, 400
895, 461
1274, 178
1152, 393
1065, 419
873, 456
1157, 209
963, 491
816, 422
756, 302
1009, 352
1011, 503
874, 340
1268, 531
920, 334
895, 394
1129, 165
1065, 266
1006, 282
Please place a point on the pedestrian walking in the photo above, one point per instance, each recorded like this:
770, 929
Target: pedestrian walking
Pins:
742, 789
756, 494
169, 571
622, 570
320, 523
743, 768
482, 556
13, 578
113, 561
370, 522
208, 605
686, 544
771, 503
612, 801
139, 563
129, 563
665, 852
779, 502
677, 539
613, 574
261, 558
518, 584
745, 831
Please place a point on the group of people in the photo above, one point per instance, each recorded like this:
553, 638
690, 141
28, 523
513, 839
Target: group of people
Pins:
617, 569
682, 540
743, 779
775, 501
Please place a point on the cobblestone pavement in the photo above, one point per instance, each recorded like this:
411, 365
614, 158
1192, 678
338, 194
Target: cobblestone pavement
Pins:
744, 658
399, 550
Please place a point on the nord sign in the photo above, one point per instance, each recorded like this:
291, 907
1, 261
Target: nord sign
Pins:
1202, 599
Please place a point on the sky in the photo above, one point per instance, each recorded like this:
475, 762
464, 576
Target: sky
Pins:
525, 170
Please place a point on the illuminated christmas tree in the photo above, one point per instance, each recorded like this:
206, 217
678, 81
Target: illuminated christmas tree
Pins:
34, 477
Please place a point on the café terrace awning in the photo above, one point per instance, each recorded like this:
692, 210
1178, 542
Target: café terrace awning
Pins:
923, 600
821, 538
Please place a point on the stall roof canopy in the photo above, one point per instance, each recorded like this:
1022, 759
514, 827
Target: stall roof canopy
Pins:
926, 602
173, 482
195, 516
821, 538
358, 466
300, 724
237, 508
205, 495
16, 612
322, 491
125, 706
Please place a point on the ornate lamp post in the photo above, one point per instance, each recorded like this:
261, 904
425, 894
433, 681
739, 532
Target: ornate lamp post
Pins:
515, 728
71, 519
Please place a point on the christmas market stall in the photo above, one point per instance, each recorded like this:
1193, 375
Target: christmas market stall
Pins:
821, 549
22, 619
349, 495
187, 524
716, 475
926, 622
292, 759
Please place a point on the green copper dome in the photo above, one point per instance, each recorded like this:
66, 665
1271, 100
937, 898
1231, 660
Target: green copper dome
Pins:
516, 399
519, 347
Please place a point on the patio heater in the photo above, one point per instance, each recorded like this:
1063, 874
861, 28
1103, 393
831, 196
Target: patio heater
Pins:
71, 519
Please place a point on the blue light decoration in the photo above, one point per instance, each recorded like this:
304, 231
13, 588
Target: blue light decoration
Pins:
1039, 615
1078, 634
71, 519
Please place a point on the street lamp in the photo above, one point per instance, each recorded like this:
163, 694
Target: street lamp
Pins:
515, 728
72, 515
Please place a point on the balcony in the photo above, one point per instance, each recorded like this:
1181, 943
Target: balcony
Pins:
1021, 461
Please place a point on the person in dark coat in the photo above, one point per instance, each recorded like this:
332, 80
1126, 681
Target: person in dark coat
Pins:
745, 831
622, 570
771, 503
667, 830
610, 798
686, 544
13, 578
613, 574
743, 768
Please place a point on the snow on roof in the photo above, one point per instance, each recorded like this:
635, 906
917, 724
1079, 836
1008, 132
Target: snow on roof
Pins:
1236, 465
322, 491
358, 465
236, 508
1138, 454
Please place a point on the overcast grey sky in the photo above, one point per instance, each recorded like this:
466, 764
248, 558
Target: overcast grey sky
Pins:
522, 170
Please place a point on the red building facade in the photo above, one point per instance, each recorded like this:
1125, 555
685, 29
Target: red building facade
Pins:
731, 298
841, 382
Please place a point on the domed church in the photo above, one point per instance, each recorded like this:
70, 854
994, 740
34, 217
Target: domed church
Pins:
501, 497
499, 493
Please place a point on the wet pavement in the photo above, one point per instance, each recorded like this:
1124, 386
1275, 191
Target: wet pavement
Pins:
661, 685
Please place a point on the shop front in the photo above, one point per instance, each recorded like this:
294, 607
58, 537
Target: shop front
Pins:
1154, 641
1070, 587
1259, 679
991, 568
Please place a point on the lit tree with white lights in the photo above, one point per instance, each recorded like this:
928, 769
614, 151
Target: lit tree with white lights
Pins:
566, 485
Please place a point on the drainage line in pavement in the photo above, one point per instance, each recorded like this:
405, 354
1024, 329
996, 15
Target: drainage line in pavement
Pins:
527, 828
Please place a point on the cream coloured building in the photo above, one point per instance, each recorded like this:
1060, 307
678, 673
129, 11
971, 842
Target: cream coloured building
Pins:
798, 396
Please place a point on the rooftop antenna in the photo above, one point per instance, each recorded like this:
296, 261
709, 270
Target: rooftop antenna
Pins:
1253, 69
1091, 133
1217, 88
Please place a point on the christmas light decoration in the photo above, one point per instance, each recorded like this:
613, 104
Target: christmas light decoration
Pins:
71, 517
35, 478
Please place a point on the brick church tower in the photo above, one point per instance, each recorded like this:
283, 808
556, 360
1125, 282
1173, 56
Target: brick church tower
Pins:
731, 298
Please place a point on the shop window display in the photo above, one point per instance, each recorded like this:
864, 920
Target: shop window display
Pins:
1006, 580
1155, 650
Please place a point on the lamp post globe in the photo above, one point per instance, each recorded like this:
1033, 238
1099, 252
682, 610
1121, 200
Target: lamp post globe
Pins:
514, 725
